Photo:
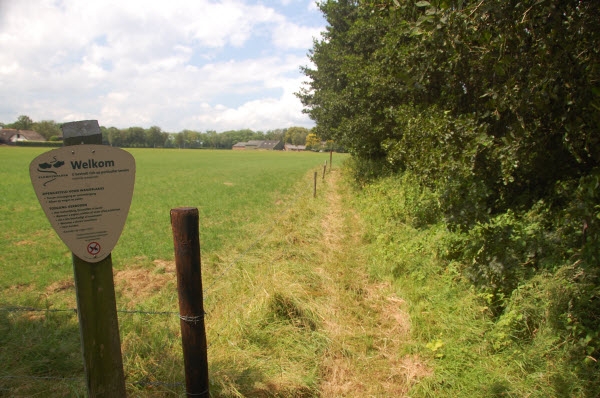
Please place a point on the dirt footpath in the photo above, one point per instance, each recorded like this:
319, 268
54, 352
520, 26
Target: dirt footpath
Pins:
365, 321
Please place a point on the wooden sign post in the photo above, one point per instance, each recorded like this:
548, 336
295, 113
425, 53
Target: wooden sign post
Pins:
85, 189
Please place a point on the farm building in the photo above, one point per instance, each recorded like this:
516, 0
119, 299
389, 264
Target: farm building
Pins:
10, 136
295, 148
260, 145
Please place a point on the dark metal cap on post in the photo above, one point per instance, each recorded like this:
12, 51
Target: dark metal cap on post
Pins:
81, 132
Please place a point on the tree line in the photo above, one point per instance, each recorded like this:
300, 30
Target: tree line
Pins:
492, 105
155, 137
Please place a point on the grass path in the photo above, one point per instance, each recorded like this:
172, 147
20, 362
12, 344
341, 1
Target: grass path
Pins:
366, 323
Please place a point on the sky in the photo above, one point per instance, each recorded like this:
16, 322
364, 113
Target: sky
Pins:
177, 64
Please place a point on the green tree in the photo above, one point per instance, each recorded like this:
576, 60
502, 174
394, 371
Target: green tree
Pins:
23, 122
296, 135
211, 138
155, 137
114, 137
136, 137
525, 72
277, 134
47, 128
312, 141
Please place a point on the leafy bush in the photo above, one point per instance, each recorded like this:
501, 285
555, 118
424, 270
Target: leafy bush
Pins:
403, 200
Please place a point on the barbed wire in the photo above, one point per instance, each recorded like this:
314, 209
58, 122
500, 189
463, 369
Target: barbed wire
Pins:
74, 310
14, 308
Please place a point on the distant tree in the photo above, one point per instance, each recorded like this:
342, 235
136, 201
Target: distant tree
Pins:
114, 136
312, 141
193, 138
211, 138
179, 139
155, 137
47, 129
169, 140
24, 122
137, 137
296, 135
277, 134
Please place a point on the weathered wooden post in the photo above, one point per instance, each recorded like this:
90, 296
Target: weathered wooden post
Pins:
186, 239
324, 170
86, 190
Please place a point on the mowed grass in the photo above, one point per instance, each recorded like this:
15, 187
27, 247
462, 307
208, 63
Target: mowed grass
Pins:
240, 195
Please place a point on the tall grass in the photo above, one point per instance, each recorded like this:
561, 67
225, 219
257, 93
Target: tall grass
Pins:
473, 352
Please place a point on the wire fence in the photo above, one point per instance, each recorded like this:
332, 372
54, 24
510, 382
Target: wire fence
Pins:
147, 382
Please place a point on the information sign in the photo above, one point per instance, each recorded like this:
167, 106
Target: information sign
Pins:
86, 192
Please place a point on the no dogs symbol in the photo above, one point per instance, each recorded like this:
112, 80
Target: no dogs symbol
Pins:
93, 248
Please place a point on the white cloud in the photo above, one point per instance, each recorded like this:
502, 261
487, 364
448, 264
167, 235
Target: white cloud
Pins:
179, 64
290, 35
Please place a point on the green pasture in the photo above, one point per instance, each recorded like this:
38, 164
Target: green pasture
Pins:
240, 195
232, 190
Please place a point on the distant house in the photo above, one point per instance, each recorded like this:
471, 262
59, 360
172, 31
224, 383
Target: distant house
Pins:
11, 136
295, 148
258, 145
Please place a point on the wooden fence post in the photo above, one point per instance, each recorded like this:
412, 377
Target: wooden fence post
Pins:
324, 170
96, 303
186, 238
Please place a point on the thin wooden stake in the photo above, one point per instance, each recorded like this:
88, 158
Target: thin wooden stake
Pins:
186, 239
96, 303
324, 170
315, 189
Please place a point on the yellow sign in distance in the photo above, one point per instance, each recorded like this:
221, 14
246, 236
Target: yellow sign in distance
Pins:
86, 192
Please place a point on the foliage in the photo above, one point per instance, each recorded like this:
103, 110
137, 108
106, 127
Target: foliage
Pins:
296, 135
23, 122
491, 108
47, 128
312, 141
522, 74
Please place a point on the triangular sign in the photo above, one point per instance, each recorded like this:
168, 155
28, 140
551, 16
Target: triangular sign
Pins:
85, 191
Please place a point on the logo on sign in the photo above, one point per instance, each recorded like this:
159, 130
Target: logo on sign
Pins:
47, 166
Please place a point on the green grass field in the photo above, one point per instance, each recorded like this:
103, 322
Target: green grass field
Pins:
239, 196
232, 190
304, 297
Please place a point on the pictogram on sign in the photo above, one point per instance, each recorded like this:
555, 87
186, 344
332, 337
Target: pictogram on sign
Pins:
93, 248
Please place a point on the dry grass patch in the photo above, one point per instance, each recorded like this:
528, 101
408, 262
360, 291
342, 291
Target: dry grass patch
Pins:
139, 283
